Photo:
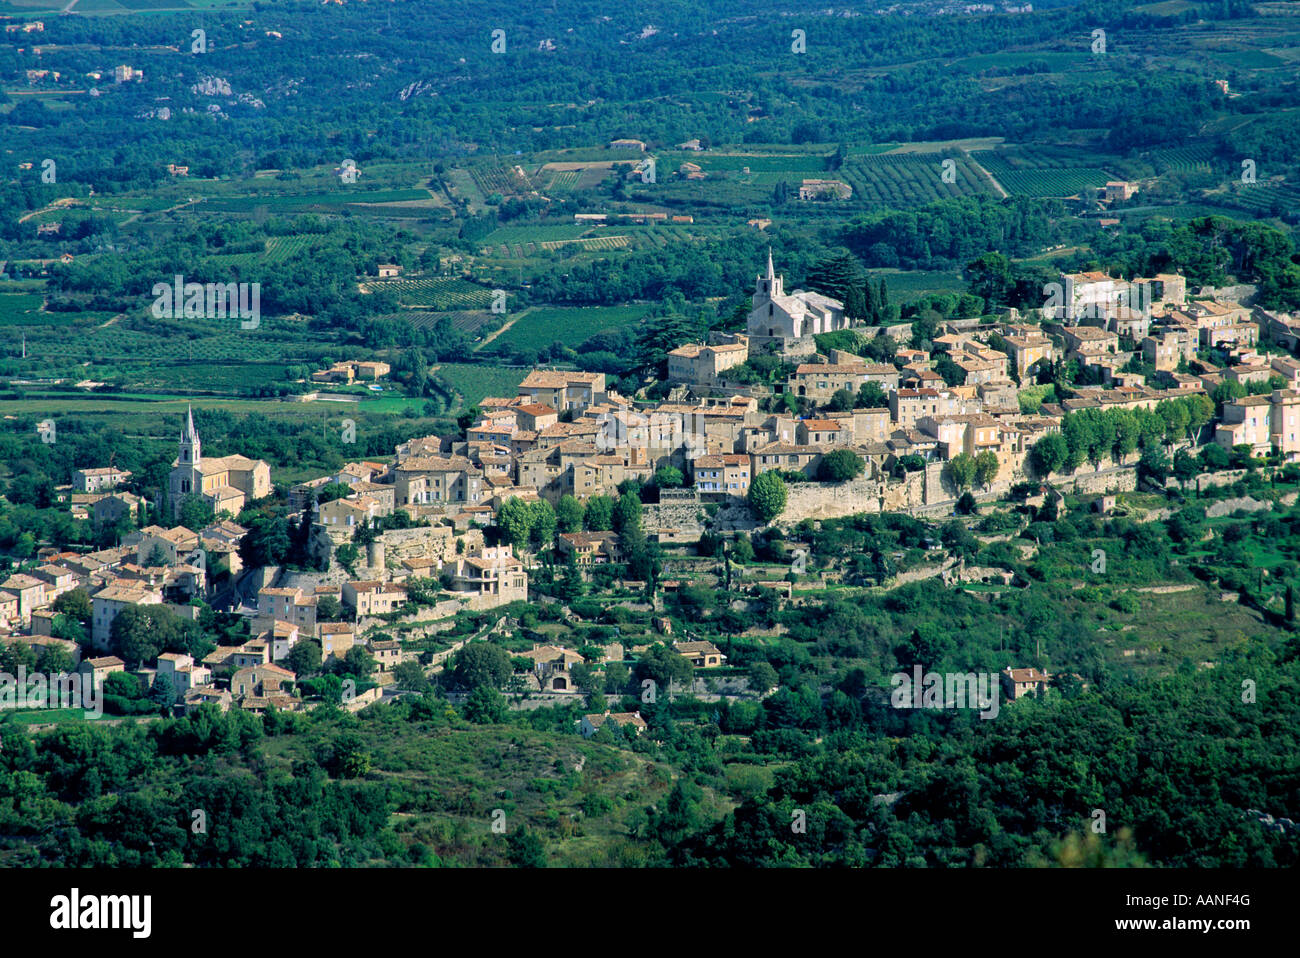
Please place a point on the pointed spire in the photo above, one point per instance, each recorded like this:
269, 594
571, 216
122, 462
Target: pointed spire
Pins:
189, 422
771, 273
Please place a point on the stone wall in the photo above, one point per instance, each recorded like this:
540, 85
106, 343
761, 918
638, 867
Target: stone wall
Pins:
929, 493
431, 542
1226, 507
1213, 480
681, 512
1112, 480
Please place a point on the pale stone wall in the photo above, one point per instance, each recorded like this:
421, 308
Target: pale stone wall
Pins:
1212, 480
682, 514
928, 493
433, 542
1226, 507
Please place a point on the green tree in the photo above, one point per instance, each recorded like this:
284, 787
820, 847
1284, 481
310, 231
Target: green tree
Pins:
1227, 391
76, 604
542, 525
350, 758
1214, 456
485, 706
599, 516
569, 514
835, 275
410, 677
990, 277
482, 664
194, 513
163, 691
25, 546
267, 542
762, 677
669, 477
359, 662
331, 491
347, 554
525, 849
56, 659
329, 609
986, 467
839, 465
767, 495
1154, 463
841, 401
304, 658
662, 665
515, 518
871, 396
855, 304
1048, 454
627, 513
962, 469
140, 632
1186, 467
570, 586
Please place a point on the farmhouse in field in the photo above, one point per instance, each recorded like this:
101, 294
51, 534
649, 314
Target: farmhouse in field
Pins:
824, 190
590, 724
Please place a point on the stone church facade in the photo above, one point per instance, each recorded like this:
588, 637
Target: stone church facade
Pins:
788, 322
227, 483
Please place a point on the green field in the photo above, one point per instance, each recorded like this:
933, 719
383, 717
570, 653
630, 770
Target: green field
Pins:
514, 235
472, 383
23, 309
539, 327
562, 181
277, 250
462, 186
1184, 159
435, 292
53, 716
305, 202
910, 284
806, 164
1045, 171
1262, 199
1047, 183
903, 180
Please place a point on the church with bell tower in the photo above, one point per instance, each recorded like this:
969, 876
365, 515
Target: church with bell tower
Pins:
226, 483
789, 322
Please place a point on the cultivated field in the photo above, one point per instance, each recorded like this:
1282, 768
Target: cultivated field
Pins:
472, 383
537, 328
911, 179
434, 292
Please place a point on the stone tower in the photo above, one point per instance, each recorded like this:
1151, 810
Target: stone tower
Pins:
770, 286
187, 476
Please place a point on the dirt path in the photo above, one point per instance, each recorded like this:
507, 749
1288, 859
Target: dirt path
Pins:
58, 204
170, 209
506, 326
991, 178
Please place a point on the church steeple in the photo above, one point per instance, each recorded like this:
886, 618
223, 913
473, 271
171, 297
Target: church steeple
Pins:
767, 286
191, 449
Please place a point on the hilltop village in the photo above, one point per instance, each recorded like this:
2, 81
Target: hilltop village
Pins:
572, 482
